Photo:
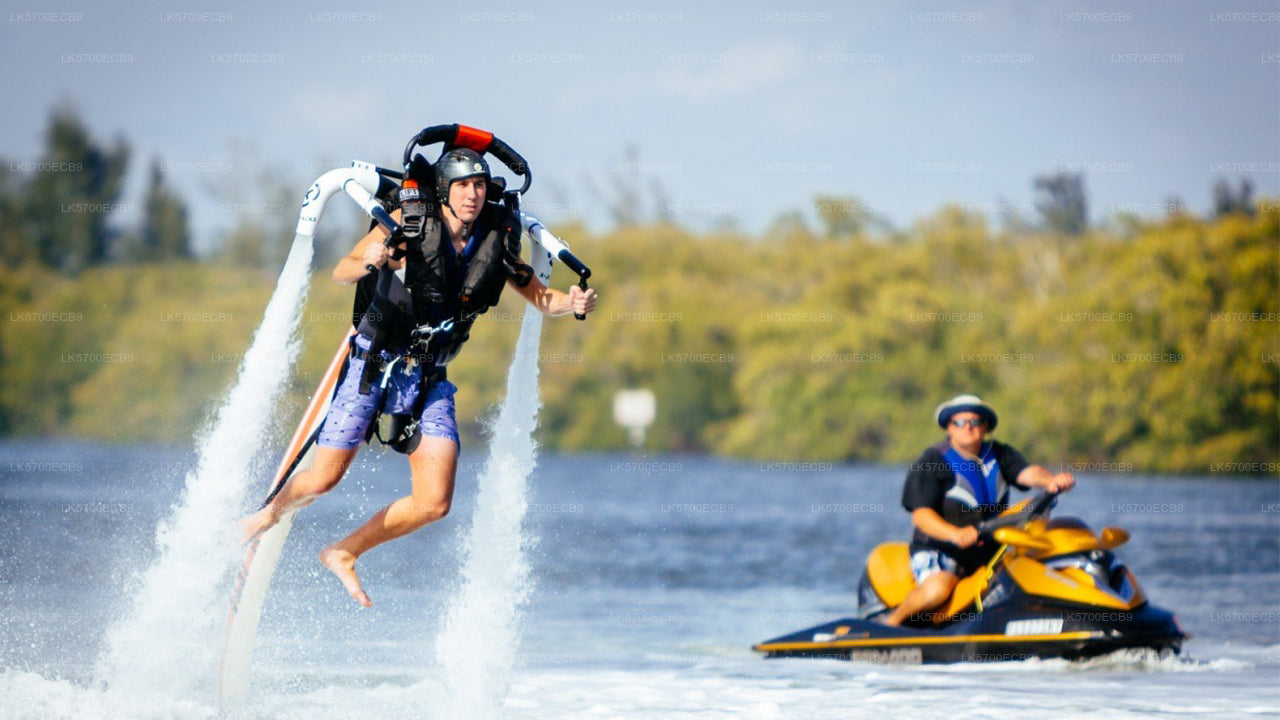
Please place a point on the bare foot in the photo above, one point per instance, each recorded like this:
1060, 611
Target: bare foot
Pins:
343, 564
256, 524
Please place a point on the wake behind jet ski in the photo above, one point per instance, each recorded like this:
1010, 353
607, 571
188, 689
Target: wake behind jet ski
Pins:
1055, 589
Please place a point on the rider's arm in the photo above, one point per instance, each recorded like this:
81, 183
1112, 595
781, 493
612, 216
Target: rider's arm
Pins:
929, 522
352, 267
554, 302
1037, 476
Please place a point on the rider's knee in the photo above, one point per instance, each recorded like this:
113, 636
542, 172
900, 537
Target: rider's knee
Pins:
326, 476
431, 509
938, 588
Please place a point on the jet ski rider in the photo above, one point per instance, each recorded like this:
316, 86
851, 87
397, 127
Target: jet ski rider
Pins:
464, 245
953, 486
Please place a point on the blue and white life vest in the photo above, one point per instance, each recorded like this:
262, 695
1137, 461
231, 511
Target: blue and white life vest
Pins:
979, 486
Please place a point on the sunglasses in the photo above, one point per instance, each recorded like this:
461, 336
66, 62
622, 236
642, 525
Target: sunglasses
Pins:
968, 422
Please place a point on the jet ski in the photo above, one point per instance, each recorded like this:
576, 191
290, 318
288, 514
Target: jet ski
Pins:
1054, 589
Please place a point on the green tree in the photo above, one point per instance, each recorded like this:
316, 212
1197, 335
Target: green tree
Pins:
73, 194
14, 247
165, 234
1227, 201
1062, 203
840, 216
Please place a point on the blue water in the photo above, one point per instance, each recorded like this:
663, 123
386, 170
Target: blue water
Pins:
653, 576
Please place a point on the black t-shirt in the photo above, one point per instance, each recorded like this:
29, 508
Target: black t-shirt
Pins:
928, 481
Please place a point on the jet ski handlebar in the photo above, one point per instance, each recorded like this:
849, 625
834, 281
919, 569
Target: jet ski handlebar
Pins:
1038, 505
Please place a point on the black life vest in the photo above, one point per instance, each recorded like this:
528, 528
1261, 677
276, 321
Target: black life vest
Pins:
432, 287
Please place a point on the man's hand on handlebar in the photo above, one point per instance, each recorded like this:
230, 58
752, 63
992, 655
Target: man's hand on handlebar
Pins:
963, 537
376, 255
582, 301
1060, 483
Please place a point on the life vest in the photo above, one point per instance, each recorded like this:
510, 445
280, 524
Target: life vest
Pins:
433, 290
980, 491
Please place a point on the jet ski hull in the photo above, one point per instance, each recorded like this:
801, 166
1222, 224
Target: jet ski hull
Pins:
1053, 589
996, 635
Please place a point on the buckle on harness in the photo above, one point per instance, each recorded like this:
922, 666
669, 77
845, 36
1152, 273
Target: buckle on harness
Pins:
427, 332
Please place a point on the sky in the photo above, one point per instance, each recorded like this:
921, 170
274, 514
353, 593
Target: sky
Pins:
741, 110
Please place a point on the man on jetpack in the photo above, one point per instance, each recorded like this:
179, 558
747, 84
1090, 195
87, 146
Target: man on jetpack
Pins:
456, 254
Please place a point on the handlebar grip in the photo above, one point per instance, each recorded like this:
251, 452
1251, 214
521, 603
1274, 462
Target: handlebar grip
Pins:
513, 160
393, 231
573, 263
508, 156
429, 136
582, 283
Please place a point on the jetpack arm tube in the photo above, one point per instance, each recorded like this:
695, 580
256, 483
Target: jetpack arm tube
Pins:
557, 249
360, 181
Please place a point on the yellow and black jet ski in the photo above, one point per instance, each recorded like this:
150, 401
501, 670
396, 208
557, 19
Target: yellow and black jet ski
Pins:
1054, 589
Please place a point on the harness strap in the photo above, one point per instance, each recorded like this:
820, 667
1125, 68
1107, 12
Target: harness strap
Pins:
405, 432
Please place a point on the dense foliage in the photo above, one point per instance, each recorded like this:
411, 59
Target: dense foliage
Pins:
1151, 345
1158, 350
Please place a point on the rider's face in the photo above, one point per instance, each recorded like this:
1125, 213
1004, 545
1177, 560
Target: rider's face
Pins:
966, 428
466, 197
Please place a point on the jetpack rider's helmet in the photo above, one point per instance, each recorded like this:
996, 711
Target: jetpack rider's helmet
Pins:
458, 164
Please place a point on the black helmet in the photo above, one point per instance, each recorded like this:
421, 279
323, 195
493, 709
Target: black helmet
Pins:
458, 164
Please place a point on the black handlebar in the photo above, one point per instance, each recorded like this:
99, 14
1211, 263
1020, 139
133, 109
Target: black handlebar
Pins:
1040, 502
430, 136
573, 263
391, 226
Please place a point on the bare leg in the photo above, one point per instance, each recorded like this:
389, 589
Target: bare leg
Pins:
927, 595
433, 466
329, 467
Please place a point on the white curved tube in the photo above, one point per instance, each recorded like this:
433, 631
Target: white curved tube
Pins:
360, 181
542, 235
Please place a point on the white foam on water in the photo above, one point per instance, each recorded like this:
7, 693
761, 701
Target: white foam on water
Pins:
812, 690
478, 644
167, 642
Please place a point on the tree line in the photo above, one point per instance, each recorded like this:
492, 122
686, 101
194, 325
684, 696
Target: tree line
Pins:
1146, 344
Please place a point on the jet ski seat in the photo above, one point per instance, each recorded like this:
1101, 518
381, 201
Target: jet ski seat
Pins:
889, 569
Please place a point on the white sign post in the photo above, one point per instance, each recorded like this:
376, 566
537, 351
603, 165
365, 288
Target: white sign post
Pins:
635, 411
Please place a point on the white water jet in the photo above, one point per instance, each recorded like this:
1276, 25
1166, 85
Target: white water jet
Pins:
167, 643
478, 645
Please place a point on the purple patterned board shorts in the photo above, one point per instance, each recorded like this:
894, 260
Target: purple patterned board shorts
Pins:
350, 412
